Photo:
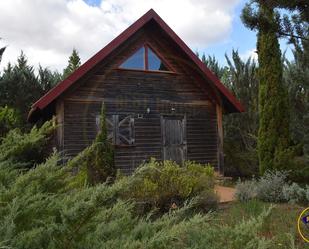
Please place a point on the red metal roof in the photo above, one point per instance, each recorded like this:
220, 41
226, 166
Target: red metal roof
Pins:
55, 92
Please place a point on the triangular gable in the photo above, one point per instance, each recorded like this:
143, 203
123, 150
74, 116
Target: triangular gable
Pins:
60, 88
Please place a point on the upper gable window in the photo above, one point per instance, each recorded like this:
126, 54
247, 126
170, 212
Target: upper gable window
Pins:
135, 61
154, 62
144, 59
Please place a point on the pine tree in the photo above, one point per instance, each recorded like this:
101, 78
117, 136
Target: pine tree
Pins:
1, 51
212, 63
273, 136
74, 63
20, 86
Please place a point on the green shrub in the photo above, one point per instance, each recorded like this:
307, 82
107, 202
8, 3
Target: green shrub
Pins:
26, 149
296, 194
270, 185
8, 174
165, 184
40, 209
9, 119
299, 169
239, 162
205, 201
246, 190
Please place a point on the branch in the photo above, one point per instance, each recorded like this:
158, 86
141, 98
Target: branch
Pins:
293, 36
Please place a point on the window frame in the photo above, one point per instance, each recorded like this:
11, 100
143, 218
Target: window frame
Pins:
147, 45
115, 134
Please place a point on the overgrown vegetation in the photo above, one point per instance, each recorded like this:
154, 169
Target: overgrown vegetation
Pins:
272, 187
26, 149
9, 119
166, 185
40, 209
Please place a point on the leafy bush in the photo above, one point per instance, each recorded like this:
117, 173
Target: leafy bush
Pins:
39, 210
9, 119
270, 185
26, 149
165, 184
246, 190
205, 201
296, 194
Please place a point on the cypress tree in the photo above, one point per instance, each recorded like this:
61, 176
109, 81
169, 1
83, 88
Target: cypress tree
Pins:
273, 135
95, 164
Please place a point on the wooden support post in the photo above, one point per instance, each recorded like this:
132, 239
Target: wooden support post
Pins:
220, 153
60, 125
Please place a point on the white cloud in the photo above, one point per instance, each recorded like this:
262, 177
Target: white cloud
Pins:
249, 54
47, 30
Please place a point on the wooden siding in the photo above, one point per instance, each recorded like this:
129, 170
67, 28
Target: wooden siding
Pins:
133, 92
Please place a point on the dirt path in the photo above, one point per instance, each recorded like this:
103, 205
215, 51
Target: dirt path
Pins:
226, 194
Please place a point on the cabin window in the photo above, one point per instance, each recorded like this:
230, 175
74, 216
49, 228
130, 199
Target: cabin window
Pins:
154, 62
136, 61
120, 129
144, 59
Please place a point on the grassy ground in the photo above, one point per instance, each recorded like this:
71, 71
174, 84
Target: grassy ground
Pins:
280, 226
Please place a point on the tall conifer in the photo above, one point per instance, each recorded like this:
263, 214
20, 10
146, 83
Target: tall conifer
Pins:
273, 136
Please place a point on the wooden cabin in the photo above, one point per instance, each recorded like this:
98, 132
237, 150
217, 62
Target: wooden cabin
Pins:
161, 100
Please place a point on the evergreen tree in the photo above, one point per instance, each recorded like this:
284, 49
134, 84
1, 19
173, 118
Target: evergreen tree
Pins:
73, 63
241, 129
212, 63
20, 86
1, 52
96, 164
273, 136
48, 79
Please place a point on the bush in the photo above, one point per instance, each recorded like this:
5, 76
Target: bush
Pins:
205, 201
270, 185
246, 190
9, 119
299, 169
296, 194
38, 210
165, 184
26, 149
239, 162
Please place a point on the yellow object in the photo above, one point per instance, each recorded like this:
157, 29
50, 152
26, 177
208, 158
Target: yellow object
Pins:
298, 224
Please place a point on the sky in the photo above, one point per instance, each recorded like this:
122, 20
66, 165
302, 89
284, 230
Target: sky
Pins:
48, 30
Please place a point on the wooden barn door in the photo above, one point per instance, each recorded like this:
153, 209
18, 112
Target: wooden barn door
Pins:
174, 138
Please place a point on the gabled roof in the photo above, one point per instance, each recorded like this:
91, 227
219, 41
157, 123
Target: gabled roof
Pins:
151, 15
